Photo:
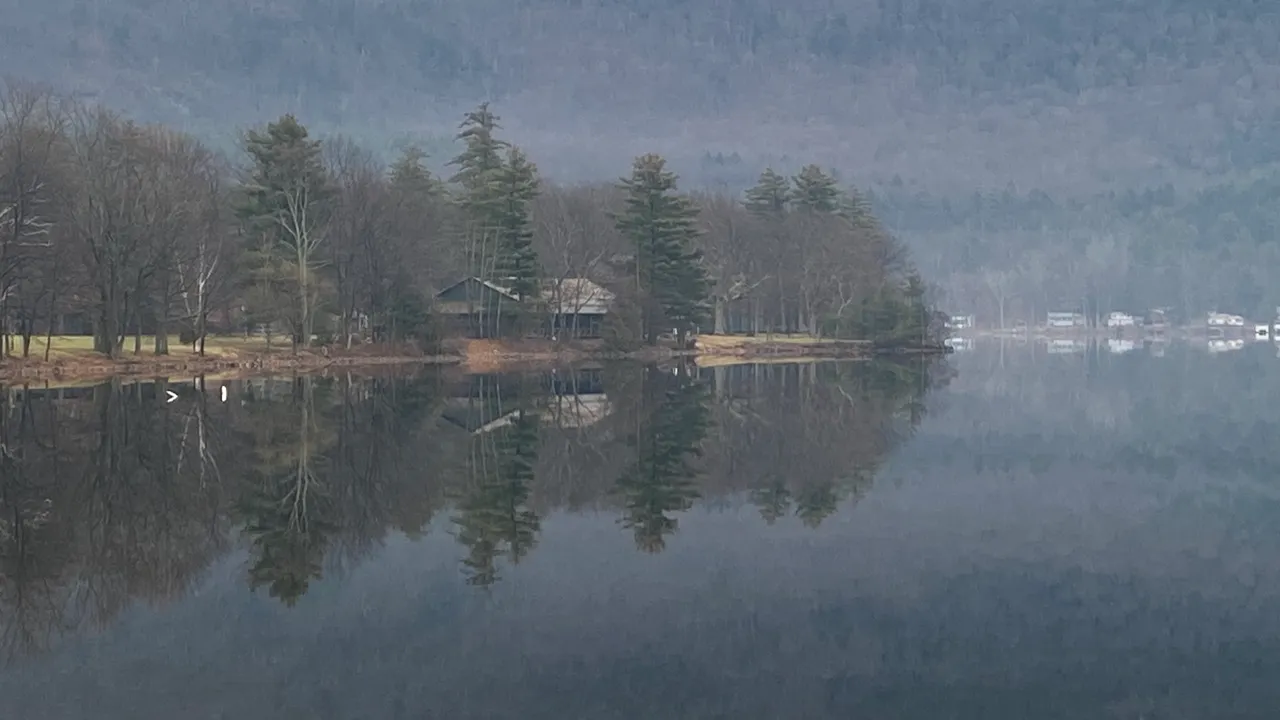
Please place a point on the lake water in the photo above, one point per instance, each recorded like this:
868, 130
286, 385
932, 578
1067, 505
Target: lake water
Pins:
1012, 533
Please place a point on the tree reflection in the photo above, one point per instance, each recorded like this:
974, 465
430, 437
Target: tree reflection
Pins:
111, 494
773, 500
31, 558
671, 424
493, 516
287, 506
805, 438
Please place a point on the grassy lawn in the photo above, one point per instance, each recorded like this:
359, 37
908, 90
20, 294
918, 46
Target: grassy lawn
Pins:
73, 346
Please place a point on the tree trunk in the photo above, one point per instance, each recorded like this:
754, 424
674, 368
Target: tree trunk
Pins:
202, 324
48, 338
137, 330
347, 314
305, 297
4, 329
107, 324
162, 318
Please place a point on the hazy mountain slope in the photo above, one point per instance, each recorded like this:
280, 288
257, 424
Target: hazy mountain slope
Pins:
1060, 94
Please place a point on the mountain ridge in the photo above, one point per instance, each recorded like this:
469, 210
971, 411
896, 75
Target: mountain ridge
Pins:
1040, 93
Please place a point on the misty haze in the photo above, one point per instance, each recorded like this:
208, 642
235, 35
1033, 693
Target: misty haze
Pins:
639, 359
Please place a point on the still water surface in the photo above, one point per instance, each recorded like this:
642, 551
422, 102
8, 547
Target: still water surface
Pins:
1014, 534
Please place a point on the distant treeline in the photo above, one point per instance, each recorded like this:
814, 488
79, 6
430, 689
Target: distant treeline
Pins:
126, 229
1189, 251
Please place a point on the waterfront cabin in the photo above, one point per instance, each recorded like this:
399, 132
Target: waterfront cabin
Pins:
477, 308
575, 307
565, 308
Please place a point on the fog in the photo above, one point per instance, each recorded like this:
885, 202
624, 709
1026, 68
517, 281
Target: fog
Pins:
1033, 153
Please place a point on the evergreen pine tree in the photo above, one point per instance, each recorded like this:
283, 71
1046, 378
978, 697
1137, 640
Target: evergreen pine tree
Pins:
410, 177
662, 225
516, 262
855, 208
770, 198
770, 202
397, 302
916, 323
482, 155
286, 201
479, 166
816, 191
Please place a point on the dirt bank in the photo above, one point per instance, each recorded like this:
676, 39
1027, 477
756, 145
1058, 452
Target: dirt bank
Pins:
477, 356
97, 367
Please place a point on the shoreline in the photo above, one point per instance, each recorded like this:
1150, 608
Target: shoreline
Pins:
495, 357
19, 370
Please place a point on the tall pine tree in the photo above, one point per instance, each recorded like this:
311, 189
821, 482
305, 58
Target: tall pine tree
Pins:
770, 202
286, 200
410, 178
770, 197
516, 262
398, 301
662, 226
479, 167
816, 191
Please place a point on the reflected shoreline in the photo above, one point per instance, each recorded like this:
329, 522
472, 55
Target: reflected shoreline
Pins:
124, 491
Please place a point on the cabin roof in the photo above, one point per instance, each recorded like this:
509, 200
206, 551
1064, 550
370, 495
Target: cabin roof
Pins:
485, 283
565, 296
569, 296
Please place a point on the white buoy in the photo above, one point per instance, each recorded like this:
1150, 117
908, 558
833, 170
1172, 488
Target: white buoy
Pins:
224, 393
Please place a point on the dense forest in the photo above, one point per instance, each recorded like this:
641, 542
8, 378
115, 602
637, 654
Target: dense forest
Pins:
112, 494
1020, 254
1043, 93
130, 229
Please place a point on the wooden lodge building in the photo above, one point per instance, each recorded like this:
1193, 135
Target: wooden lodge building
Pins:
568, 307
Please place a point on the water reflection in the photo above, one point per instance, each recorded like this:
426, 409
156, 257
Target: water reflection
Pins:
1066, 535
114, 494
670, 424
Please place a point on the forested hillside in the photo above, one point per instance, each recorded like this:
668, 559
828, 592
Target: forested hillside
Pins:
1050, 94
1031, 152
1190, 251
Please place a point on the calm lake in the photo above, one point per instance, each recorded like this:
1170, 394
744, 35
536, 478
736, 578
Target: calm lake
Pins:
1008, 533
